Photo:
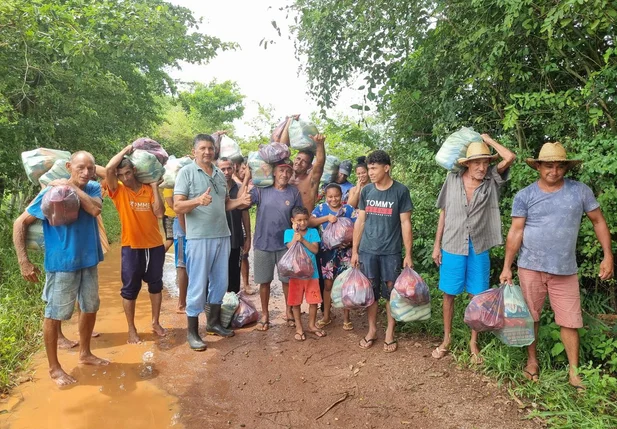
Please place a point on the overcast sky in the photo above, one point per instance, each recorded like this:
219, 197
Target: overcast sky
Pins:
269, 76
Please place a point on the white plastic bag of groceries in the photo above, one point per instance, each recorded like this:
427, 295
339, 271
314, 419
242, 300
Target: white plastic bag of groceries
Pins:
57, 171
228, 308
330, 169
38, 161
299, 135
230, 149
147, 167
261, 171
172, 167
404, 310
518, 329
455, 147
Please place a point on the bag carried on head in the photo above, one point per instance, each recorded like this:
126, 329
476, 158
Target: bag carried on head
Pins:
296, 263
455, 147
173, 166
261, 171
404, 310
299, 132
339, 233
246, 312
410, 285
60, 205
230, 149
228, 308
147, 167
57, 171
357, 290
485, 312
274, 152
518, 329
38, 161
153, 147
330, 168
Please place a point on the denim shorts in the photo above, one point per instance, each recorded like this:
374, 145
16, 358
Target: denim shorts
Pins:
63, 288
459, 273
180, 251
381, 269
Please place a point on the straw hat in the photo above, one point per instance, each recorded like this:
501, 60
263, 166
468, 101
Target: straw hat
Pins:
552, 152
477, 150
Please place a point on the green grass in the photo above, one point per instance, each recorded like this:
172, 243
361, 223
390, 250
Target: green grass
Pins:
111, 220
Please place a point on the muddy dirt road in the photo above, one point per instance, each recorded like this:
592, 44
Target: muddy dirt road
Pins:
253, 380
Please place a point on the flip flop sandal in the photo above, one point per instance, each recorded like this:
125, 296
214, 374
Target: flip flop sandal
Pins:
387, 345
531, 376
300, 337
439, 352
321, 324
347, 326
264, 326
477, 359
367, 343
319, 333
291, 323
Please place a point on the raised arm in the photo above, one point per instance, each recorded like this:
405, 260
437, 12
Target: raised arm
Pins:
600, 227
112, 165
320, 159
507, 156
20, 230
407, 238
513, 245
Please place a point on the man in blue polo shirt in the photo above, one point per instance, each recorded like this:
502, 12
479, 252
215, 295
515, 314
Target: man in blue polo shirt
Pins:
72, 254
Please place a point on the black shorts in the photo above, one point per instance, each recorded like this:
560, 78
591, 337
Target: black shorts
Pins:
381, 269
141, 265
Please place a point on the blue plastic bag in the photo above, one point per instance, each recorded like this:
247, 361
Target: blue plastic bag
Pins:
455, 147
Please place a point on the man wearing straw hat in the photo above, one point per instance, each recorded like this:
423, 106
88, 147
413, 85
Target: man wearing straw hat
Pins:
469, 225
546, 218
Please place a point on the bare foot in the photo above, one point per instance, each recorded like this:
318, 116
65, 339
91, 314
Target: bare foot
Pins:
476, 357
158, 330
90, 359
248, 291
66, 344
576, 382
95, 334
133, 338
181, 309
61, 378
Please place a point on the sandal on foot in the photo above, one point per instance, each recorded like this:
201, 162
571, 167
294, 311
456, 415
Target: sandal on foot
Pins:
477, 359
262, 326
347, 326
531, 375
387, 346
322, 324
319, 333
439, 352
367, 343
291, 323
300, 337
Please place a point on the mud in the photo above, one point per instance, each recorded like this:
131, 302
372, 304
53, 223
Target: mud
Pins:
256, 379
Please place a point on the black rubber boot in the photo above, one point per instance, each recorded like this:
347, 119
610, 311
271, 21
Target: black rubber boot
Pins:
192, 335
213, 317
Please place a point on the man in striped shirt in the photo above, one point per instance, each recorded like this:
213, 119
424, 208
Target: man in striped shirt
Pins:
469, 225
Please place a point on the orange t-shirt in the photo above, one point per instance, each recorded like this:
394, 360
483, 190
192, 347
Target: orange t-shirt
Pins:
140, 227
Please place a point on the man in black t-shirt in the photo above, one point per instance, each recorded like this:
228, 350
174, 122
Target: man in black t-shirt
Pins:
383, 225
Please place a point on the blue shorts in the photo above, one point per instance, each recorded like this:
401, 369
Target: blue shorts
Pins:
63, 288
180, 251
459, 273
381, 269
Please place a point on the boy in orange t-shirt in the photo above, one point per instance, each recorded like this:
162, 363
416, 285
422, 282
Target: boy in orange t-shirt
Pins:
143, 254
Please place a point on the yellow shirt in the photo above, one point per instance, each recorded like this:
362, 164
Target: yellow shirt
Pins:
168, 193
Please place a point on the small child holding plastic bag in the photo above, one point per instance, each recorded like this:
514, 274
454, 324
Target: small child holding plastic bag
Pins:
309, 288
335, 260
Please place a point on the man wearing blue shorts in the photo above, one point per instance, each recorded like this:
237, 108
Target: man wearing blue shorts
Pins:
72, 255
383, 226
469, 225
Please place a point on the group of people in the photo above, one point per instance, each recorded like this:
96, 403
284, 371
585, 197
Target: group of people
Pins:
206, 218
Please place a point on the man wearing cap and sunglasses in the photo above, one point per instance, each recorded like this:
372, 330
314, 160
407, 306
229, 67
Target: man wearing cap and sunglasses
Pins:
469, 225
546, 218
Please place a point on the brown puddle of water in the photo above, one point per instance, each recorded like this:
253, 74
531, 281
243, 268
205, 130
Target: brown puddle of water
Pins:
119, 395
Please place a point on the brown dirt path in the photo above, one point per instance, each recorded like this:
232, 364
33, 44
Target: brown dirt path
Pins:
255, 380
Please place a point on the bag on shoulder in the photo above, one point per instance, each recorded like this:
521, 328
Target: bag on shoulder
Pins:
60, 205
455, 147
39, 161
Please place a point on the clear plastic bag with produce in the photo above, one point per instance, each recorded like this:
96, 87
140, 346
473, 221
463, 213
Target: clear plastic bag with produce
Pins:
153, 147
57, 171
330, 169
274, 152
38, 161
230, 149
518, 329
261, 171
337, 288
172, 168
299, 135
410, 285
35, 240
245, 314
277, 133
485, 312
455, 147
338, 234
60, 205
404, 310
147, 167
357, 290
228, 308
296, 263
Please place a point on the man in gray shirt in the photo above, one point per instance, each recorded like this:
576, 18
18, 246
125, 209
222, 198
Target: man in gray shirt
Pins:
201, 195
546, 218
469, 225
